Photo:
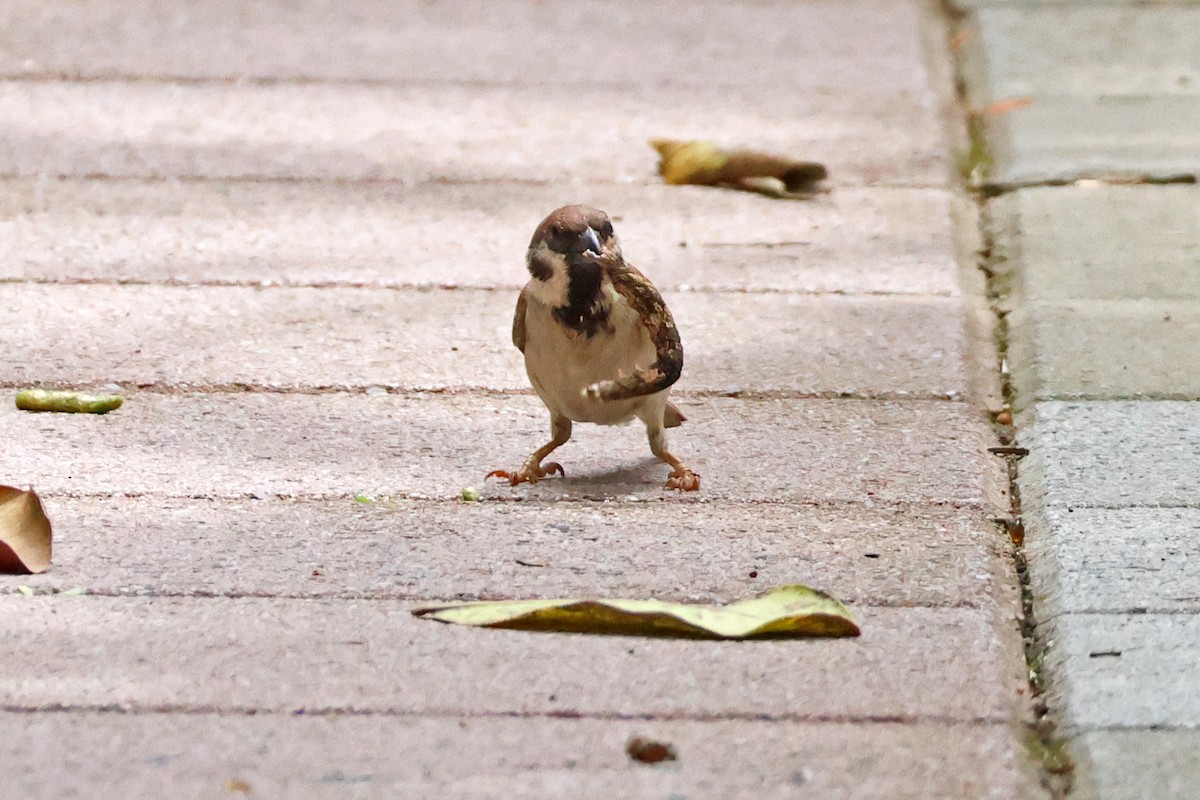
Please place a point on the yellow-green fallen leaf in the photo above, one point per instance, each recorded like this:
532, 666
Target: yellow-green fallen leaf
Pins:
25, 590
74, 591
784, 612
67, 402
705, 164
24, 532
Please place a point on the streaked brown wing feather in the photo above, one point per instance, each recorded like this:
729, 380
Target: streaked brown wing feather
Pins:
648, 303
518, 329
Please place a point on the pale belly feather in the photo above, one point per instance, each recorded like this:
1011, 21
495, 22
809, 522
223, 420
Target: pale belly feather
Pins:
561, 364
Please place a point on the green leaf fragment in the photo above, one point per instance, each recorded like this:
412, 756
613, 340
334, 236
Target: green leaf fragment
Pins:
784, 612
67, 402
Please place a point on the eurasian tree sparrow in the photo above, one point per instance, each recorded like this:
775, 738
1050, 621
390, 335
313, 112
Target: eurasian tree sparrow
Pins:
599, 343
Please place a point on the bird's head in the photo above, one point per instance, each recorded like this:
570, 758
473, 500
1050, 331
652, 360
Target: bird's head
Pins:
561, 254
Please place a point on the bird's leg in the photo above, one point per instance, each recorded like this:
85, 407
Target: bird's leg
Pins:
532, 470
681, 477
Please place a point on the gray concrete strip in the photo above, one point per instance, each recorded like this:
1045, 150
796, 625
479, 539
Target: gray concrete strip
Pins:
1110, 454
312, 655
1100, 349
140, 335
1098, 242
452, 132
794, 46
197, 756
1124, 670
911, 555
1059, 139
339, 445
1134, 765
852, 240
1114, 560
1088, 50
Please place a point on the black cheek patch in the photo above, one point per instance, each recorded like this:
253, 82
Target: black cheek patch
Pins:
539, 268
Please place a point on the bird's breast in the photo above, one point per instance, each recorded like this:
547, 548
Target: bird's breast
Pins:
562, 363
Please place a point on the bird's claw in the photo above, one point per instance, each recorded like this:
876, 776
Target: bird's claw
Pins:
684, 480
529, 473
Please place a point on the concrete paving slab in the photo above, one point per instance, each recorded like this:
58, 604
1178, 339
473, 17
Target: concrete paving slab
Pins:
448, 132
1100, 349
1114, 559
1110, 454
195, 756
1124, 670
304, 656
801, 46
852, 240
1098, 242
1062, 139
331, 445
346, 338
910, 555
1089, 50
1132, 765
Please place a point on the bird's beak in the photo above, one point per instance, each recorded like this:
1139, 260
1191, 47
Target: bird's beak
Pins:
590, 241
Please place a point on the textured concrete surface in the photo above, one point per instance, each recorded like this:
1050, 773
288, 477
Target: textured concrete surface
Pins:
1125, 670
1098, 242
906, 555
1115, 559
286, 131
1131, 765
310, 337
1111, 454
251, 206
1082, 50
1100, 286
1110, 138
333, 445
849, 241
196, 756
756, 47
287, 655
1105, 349
1120, 101
1103, 290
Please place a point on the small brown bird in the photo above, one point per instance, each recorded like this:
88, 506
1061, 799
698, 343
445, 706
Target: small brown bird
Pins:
599, 343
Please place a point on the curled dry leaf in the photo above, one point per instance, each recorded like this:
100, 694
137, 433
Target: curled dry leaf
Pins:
67, 402
1007, 105
785, 612
649, 751
24, 532
705, 164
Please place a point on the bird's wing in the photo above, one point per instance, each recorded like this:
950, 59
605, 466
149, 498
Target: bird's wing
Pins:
645, 300
518, 330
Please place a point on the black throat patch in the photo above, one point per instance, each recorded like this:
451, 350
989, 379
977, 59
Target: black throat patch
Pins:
584, 312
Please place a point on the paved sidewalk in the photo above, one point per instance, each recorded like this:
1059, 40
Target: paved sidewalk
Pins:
293, 234
1099, 283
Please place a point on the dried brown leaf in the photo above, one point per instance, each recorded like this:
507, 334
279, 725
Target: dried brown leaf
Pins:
24, 532
1006, 106
705, 164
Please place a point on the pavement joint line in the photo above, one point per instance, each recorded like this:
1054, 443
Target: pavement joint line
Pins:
257, 81
450, 287
408, 599
990, 189
187, 389
500, 180
350, 711
456, 497
1046, 744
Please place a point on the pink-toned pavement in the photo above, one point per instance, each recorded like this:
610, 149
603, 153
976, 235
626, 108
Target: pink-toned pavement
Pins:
293, 235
